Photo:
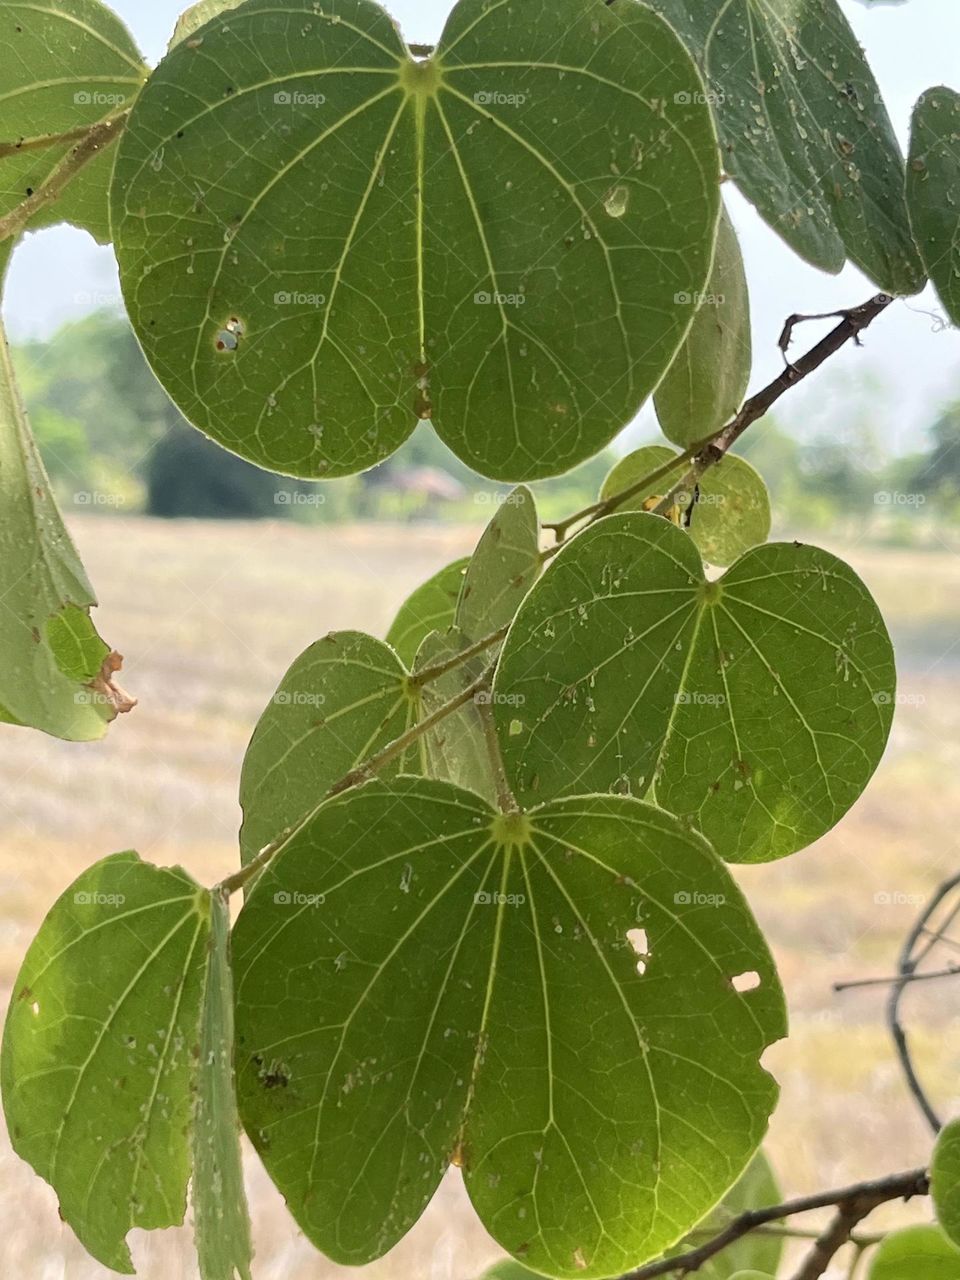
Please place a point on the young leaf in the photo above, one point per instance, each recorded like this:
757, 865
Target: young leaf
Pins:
933, 179
67, 64
758, 705
343, 699
463, 986
916, 1253
221, 1219
456, 749
732, 510
432, 607
705, 385
307, 323
99, 1050
503, 568
55, 671
945, 1180
804, 131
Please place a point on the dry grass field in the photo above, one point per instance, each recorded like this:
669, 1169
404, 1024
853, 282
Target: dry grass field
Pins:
210, 615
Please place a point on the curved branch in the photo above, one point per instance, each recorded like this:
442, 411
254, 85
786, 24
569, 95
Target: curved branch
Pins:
907, 974
860, 1199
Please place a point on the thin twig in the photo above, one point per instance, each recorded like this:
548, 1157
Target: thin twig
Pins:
428, 674
505, 797
362, 773
897, 1186
707, 453
43, 141
907, 968
903, 979
100, 135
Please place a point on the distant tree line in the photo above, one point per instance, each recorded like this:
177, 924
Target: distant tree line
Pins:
111, 439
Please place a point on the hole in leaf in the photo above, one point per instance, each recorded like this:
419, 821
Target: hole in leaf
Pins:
638, 940
228, 339
746, 981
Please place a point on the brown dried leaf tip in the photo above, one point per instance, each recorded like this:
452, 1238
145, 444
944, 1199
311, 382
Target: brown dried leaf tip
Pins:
107, 687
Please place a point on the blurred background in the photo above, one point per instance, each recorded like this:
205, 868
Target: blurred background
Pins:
213, 576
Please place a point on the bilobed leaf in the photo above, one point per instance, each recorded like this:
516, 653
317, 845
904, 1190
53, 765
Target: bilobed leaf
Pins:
945, 1180
503, 568
221, 1219
916, 1253
288, 188
341, 701
933, 183
732, 511
759, 705
99, 1050
804, 131
463, 986
432, 607
754, 1254
705, 385
455, 750
65, 64
50, 654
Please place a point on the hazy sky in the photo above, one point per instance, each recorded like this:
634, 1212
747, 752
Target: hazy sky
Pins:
59, 275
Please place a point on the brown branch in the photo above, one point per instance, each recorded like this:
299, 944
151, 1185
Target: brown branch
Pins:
707, 453
950, 971
907, 970
865, 1196
829, 1243
364, 772
43, 141
97, 137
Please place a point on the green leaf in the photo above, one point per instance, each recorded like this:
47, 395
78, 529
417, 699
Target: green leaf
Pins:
67, 64
752, 1275
503, 568
221, 1219
456, 749
432, 607
307, 322
933, 180
343, 699
804, 131
510, 1270
755, 1254
732, 512
99, 1049
50, 654
917, 1253
706, 384
197, 16
945, 1180
759, 706
463, 986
